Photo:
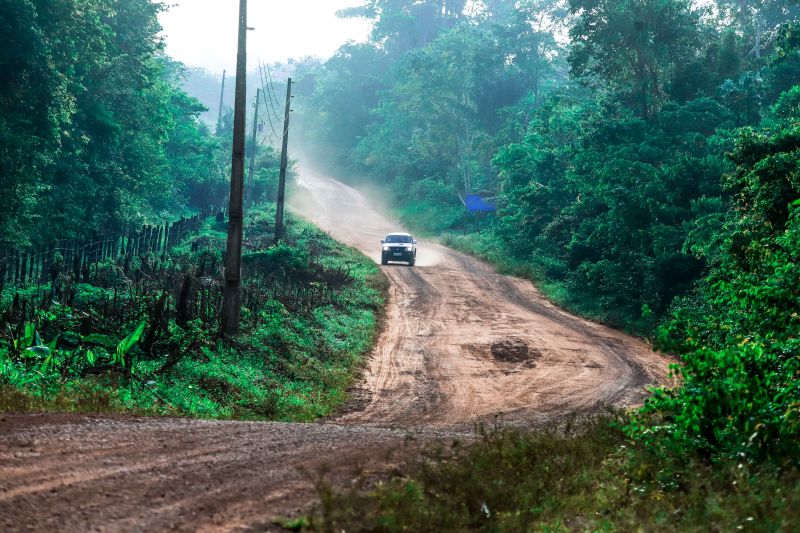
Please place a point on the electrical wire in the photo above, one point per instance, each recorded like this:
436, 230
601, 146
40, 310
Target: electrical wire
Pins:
264, 90
272, 86
270, 97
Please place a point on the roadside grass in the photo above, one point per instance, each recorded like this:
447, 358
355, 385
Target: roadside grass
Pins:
83, 397
288, 364
587, 478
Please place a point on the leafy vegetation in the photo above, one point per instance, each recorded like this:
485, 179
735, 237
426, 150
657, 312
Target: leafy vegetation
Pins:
311, 313
645, 172
623, 131
646, 175
94, 128
738, 334
97, 140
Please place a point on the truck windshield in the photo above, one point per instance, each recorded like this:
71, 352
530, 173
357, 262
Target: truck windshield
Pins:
398, 239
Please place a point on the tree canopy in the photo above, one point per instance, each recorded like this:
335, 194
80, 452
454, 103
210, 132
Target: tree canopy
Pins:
95, 131
643, 155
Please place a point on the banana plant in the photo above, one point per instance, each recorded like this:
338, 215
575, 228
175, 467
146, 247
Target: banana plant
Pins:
30, 344
29, 338
126, 344
47, 352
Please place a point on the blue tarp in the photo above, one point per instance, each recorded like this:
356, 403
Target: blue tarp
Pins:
479, 204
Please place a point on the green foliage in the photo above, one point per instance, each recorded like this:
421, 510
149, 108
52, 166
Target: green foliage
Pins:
294, 360
94, 129
635, 46
599, 201
423, 108
126, 344
739, 401
407, 24
657, 180
738, 334
610, 191
351, 82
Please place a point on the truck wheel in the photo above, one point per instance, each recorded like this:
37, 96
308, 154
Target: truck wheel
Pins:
384, 261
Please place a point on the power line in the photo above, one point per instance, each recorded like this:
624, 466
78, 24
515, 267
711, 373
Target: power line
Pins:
272, 86
266, 99
264, 90
263, 79
267, 87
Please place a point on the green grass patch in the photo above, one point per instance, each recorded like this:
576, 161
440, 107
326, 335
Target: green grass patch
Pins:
312, 315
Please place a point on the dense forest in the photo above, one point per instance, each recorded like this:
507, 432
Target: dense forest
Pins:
97, 132
644, 159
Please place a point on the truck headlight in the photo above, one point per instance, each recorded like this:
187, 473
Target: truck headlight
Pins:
385, 248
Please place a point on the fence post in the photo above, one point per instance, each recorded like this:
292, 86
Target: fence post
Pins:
45, 260
23, 269
128, 250
85, 262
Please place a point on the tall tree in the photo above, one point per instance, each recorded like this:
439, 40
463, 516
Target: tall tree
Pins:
34, 107
402, 25
94, 126
758, 21
633, 45
340, 102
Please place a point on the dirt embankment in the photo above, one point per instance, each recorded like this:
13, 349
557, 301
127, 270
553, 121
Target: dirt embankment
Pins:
463, 344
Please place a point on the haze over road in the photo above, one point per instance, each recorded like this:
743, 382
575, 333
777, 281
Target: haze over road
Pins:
434, 364
433, 372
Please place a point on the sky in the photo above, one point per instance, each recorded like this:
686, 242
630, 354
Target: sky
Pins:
203, 33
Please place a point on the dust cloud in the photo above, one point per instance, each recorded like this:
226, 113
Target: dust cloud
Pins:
351, 216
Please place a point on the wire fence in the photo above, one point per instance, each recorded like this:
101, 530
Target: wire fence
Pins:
32, 279
138, 274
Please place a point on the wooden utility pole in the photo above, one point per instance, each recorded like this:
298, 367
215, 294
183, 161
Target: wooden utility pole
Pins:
221, 100
232, 297
253, 150
280, 230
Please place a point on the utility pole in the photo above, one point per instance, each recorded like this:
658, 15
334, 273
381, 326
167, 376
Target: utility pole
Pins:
232, 297
279, 228
221, 100
253, 149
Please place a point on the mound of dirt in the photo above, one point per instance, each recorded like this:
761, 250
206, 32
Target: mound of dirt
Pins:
513, 351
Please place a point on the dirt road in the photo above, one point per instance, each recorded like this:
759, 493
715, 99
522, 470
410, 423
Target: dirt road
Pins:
462, 344
434, 365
